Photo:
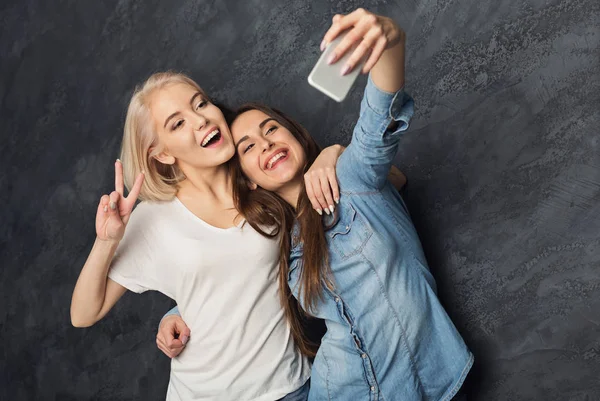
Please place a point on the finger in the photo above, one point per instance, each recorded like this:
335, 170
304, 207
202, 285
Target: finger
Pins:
376, 53
168, 337
183, 330
326, 190
113, 204
119, 177
176, 352
363, 49
129, 201
164, 349
175, 344
103, 204
137, 187
354, 36
311, 194
333, 31
333, 182
320, 197
340, 24
160, 342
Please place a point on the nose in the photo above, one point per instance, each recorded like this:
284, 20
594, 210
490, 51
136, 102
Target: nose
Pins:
200, 122
265, 144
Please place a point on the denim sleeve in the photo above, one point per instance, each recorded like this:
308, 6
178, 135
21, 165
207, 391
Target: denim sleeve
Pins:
383, 118
174, 311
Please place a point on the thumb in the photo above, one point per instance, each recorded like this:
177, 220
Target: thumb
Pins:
183, 330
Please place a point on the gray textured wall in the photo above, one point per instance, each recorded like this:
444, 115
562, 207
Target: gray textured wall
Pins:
503, 161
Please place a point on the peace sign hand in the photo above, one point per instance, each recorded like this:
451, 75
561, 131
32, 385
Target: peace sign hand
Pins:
115, 209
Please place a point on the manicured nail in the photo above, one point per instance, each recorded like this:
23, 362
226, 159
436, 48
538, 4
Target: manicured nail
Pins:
113, 205
320, 212
184, 339
331, 58
331, 208
337, 200
346, 69
105, 209
119, 160
323, 45
326, 211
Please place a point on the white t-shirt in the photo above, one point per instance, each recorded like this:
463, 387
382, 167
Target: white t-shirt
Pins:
225, 284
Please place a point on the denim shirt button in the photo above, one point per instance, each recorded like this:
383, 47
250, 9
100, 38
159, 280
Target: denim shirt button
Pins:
337, 299
364, 356
372, 389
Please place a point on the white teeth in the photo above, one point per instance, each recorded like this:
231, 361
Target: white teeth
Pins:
274, 159
209, 137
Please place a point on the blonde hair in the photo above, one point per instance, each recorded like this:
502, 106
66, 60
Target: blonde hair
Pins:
139, 136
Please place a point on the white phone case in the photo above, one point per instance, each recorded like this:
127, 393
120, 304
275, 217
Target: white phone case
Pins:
328, 78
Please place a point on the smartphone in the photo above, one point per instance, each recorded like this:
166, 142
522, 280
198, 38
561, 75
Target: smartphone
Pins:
328, 78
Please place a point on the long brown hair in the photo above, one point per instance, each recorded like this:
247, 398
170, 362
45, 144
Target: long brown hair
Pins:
262, 209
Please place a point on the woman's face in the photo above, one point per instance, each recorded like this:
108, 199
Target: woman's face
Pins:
270, 156
192, 131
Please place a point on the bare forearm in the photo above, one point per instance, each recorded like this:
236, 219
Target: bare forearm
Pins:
90, 291
397, 178
388, 72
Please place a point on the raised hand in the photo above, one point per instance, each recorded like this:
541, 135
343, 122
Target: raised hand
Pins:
374, 33
114, 209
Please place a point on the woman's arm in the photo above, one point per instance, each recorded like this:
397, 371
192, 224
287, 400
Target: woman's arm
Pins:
95, 294
385, 109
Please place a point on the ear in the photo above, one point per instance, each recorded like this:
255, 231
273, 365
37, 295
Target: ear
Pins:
252, 186
163, 157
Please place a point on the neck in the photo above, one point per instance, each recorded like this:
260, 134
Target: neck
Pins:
206, 182
291, 192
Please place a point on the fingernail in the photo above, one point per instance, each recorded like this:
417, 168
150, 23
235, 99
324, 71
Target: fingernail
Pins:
113, 205
337, 200
326, 211
331, 58
320, 212
331, 208
323, 45
144, 172
119, 160
346, 69
105, 209
184, 339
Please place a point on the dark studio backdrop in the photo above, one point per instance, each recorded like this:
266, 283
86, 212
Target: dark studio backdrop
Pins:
503, 162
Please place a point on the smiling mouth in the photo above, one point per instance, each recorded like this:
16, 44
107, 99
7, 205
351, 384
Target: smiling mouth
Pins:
277, 158
211, 138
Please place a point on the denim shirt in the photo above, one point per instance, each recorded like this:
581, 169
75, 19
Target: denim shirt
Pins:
388, 337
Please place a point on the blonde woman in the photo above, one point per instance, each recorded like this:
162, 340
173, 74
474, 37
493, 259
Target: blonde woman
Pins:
187, 240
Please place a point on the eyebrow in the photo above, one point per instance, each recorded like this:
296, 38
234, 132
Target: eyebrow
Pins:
177, 112
261, 125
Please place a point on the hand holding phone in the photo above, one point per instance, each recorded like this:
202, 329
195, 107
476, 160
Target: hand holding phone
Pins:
354, 40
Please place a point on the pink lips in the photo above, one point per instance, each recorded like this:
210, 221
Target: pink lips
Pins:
282, 159
208, 132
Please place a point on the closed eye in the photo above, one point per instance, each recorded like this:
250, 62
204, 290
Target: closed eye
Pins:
201, 104
247, 148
